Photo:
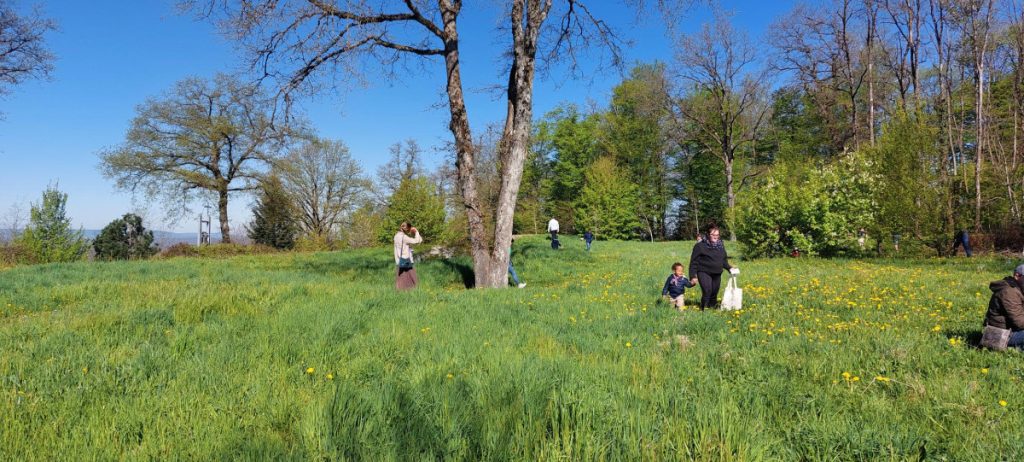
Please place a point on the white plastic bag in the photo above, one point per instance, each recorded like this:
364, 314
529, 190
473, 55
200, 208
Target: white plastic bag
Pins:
732, 299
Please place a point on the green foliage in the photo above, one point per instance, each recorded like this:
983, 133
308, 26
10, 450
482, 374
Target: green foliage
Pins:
125, 239
531, 216
702, 188
48, 238
364, 227
568, 141
607, 204
203, 138
582, 364
908, 192
632, 133
818, 211
417, 201
274, 223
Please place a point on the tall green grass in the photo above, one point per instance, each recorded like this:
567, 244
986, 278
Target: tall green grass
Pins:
314, 356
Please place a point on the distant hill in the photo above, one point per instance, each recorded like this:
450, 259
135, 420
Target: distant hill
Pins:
164, 239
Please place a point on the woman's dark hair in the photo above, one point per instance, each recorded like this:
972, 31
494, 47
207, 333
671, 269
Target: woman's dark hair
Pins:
711, 226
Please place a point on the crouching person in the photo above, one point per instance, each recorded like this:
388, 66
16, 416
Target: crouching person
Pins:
1006, 307
676, 285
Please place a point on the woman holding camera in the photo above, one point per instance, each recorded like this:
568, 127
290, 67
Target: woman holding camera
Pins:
405, 277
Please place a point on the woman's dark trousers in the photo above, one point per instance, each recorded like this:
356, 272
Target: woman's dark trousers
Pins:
709, 285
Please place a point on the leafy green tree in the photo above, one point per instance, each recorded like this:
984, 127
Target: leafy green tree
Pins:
909, 194
205, 137
702, 192
274, 223
418, 201
607, 204
634, 135
570, 142
124, 239
48, 237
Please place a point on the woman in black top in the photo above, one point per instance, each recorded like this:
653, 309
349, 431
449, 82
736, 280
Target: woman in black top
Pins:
706, 265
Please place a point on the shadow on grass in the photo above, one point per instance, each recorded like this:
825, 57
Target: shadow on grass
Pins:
972, 337
464, 270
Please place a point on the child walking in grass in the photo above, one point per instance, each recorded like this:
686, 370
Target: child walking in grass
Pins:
676, 285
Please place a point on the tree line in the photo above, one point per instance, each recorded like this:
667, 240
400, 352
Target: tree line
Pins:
880, 118
890, 119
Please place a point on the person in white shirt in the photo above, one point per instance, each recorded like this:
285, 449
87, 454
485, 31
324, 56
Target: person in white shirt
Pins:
553, 228
405, 277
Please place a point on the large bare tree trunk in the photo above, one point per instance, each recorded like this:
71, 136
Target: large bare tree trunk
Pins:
222, 207
490, 262
527, 17
465, 165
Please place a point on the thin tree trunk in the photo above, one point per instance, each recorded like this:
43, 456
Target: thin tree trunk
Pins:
731, 196
979, 152
872, 29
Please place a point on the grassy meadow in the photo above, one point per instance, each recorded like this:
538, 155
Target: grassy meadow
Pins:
315, 357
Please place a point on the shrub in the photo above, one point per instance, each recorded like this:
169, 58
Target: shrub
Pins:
215, 250
273, 223
314, 243
123, 239
417, 201
48, 237
820, 215
607, 203
13, 254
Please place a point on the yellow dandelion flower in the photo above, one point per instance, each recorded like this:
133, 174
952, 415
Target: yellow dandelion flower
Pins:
629, 345
879, 378
936, 328
330, 376
1002, 403
846, 375
450, 376
310, 370
984, 370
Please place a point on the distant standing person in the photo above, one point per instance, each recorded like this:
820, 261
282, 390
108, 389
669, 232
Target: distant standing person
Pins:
707, 262
962, 238
553, 228
1006, 307
588, 237
405, 276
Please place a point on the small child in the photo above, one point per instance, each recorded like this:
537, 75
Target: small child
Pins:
675, 285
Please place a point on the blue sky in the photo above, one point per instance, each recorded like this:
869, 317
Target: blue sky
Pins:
112, 55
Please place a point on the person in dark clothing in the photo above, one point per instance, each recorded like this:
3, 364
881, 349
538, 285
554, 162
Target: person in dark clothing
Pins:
588, 237
707, 262
962, 238
1006, 307
676, 285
